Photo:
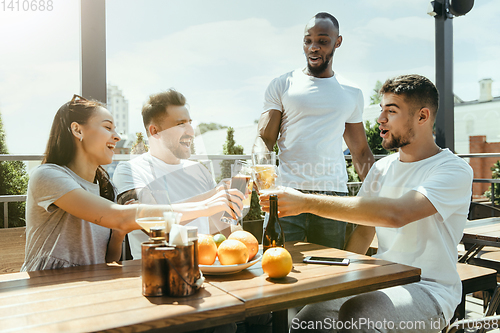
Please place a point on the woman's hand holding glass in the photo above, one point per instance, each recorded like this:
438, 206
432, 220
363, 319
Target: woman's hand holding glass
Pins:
150, 214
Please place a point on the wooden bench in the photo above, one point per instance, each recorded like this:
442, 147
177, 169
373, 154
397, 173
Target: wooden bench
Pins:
12, 247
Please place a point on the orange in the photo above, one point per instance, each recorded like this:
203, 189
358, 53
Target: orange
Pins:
248, 239
277, 262
207, 250
232, 252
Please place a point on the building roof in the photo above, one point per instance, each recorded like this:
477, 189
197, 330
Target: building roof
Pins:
476, 101
212, 142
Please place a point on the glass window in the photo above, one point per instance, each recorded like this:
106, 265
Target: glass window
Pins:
39, 69
222, 54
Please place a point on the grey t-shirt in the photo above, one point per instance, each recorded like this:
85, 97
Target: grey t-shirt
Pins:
55, 238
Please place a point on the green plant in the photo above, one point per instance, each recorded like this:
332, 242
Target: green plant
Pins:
255, 212
205, 127
495, 174
376, 98
230, 148
374, 139
139, 146
375, 143
13, 181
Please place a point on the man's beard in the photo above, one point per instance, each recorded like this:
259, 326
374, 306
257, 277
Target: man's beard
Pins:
317, 71
178, 150
398, 141
181, 153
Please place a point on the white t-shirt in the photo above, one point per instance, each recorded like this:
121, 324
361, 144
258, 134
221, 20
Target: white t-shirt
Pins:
314, 112
168, 183
430, 243
55, 238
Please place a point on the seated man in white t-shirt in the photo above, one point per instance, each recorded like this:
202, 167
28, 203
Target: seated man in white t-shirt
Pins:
416, 201
164, 175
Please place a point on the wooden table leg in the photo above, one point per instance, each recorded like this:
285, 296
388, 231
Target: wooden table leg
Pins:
280, 321
474, 248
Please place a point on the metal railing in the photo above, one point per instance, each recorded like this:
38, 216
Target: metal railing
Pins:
5, 199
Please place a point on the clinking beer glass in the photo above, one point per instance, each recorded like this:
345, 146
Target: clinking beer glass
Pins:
241, 173
265, 174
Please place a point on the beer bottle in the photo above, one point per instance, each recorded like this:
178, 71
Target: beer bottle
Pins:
273, 234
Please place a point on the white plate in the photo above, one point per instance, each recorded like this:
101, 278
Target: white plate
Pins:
218, 269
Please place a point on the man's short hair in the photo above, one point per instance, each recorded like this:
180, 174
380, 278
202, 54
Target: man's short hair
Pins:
324, 15
416, 89
156, 106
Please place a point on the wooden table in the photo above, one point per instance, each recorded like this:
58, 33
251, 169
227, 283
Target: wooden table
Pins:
478, 234
108, 297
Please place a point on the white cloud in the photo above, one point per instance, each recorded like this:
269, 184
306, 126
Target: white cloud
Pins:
396, 6
223, 68
39, 71
30, 95
400, 29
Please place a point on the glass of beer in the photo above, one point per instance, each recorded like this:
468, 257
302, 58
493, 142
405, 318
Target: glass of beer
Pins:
148, 218
265, 173
240, 180
242, 173
149, 213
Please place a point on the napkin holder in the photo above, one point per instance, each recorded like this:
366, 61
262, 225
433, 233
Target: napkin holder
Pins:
170, 270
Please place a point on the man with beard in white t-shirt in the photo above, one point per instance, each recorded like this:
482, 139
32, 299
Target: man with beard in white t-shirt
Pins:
416, 201
164, 174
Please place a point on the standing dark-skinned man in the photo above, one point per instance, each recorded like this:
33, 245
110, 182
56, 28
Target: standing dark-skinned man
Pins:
308, 111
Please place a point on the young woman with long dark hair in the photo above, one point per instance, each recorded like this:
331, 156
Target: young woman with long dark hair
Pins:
70, 206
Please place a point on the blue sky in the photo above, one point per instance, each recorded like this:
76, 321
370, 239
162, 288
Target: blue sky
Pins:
223, 54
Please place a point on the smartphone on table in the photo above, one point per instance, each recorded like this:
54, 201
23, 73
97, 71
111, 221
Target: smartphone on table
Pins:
327, 261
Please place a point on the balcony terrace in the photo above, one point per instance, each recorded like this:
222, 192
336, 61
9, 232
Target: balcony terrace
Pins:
105, 48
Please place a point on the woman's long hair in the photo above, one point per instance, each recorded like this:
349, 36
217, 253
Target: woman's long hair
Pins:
61, 147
